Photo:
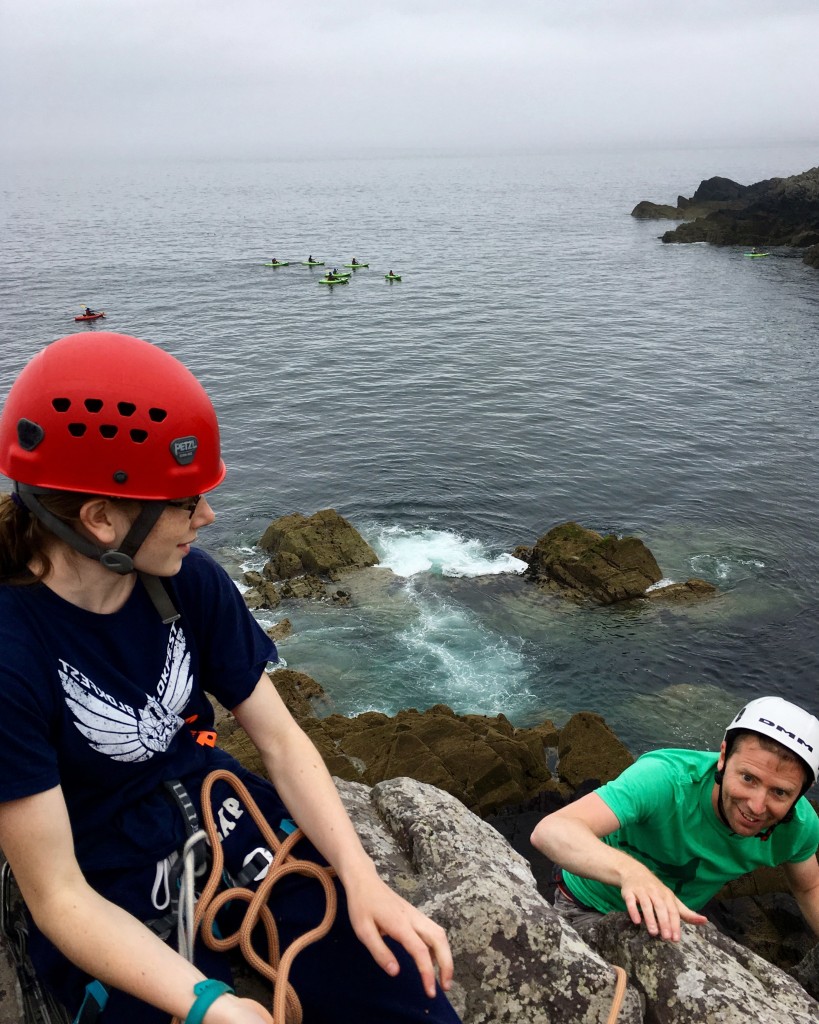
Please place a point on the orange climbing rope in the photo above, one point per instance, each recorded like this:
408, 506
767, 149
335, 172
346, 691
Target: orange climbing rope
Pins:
619, 994
286, 1006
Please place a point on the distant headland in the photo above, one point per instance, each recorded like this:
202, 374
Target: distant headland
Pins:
781, 213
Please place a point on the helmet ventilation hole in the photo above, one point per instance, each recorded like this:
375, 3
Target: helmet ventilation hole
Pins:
76, 429
157, 415
93, 404
109, 430
61, 404
126, 408
138, 436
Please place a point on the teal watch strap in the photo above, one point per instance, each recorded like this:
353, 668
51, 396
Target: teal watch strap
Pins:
206, 992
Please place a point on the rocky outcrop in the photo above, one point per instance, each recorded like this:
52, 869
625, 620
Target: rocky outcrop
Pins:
310, 555
572, 561
589, 751
516, 961
588, 566
776, 212
306, 555
484, 762
317, 544
704, 977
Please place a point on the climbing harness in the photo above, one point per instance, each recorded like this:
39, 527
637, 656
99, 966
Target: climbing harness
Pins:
38, 1006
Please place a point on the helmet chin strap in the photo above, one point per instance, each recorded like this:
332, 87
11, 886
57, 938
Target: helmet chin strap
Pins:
118, 560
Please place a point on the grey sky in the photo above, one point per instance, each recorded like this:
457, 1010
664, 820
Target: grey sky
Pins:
267, 78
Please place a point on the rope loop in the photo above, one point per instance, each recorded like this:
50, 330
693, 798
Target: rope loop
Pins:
286, 1006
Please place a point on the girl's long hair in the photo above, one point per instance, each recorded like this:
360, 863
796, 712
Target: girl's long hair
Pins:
24, 540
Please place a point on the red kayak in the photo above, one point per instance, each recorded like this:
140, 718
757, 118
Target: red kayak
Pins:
90, 316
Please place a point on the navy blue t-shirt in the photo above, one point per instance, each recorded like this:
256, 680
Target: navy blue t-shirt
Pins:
104, 705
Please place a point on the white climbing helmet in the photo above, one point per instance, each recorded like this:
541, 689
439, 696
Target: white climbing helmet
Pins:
784, 722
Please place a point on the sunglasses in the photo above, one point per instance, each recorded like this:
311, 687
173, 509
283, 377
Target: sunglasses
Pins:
188, 504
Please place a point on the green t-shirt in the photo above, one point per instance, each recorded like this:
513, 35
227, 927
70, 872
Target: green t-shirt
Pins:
667, 822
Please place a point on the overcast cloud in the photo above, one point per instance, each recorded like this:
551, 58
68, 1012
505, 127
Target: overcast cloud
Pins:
266, 78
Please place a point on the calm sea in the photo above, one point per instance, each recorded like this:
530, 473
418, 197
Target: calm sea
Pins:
544, 358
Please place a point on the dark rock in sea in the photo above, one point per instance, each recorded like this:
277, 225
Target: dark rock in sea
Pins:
280, 631
306, 554
262, 593
680, 593
322, 542
781, 212
572, 560
656, 211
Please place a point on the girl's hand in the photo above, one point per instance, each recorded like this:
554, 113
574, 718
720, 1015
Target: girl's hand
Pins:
376, 911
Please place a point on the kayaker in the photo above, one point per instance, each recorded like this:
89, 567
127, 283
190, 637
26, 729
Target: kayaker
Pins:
89, 311
310, 259
663, 838
353, 262
114, 630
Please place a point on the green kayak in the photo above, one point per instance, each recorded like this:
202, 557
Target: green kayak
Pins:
313, 263
355, 266
279, 264
392, 277
334, 280
756, 255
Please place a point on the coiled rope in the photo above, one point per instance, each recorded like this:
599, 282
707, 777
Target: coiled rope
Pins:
286, 1005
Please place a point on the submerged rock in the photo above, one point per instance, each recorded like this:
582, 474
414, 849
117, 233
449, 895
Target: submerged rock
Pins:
680, 593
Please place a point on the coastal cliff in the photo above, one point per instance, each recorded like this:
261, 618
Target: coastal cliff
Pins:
778, 212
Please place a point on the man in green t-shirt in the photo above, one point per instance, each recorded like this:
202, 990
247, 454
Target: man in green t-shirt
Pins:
666, 835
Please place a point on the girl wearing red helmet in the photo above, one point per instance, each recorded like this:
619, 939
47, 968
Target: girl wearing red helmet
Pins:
113, 630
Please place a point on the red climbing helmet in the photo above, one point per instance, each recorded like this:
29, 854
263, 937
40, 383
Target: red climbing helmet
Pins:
106, 413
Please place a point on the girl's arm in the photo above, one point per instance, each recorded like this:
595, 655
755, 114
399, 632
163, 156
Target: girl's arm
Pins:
305, 786
96, 935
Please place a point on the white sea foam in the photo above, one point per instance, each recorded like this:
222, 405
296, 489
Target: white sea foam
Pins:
725, 567
477, 668
442, 552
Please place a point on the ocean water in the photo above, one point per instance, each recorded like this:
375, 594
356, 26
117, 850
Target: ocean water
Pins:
544, 358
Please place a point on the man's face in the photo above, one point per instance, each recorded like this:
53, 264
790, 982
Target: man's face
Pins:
759, 786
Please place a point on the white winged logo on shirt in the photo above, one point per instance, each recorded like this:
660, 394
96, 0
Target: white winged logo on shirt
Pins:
124, 733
